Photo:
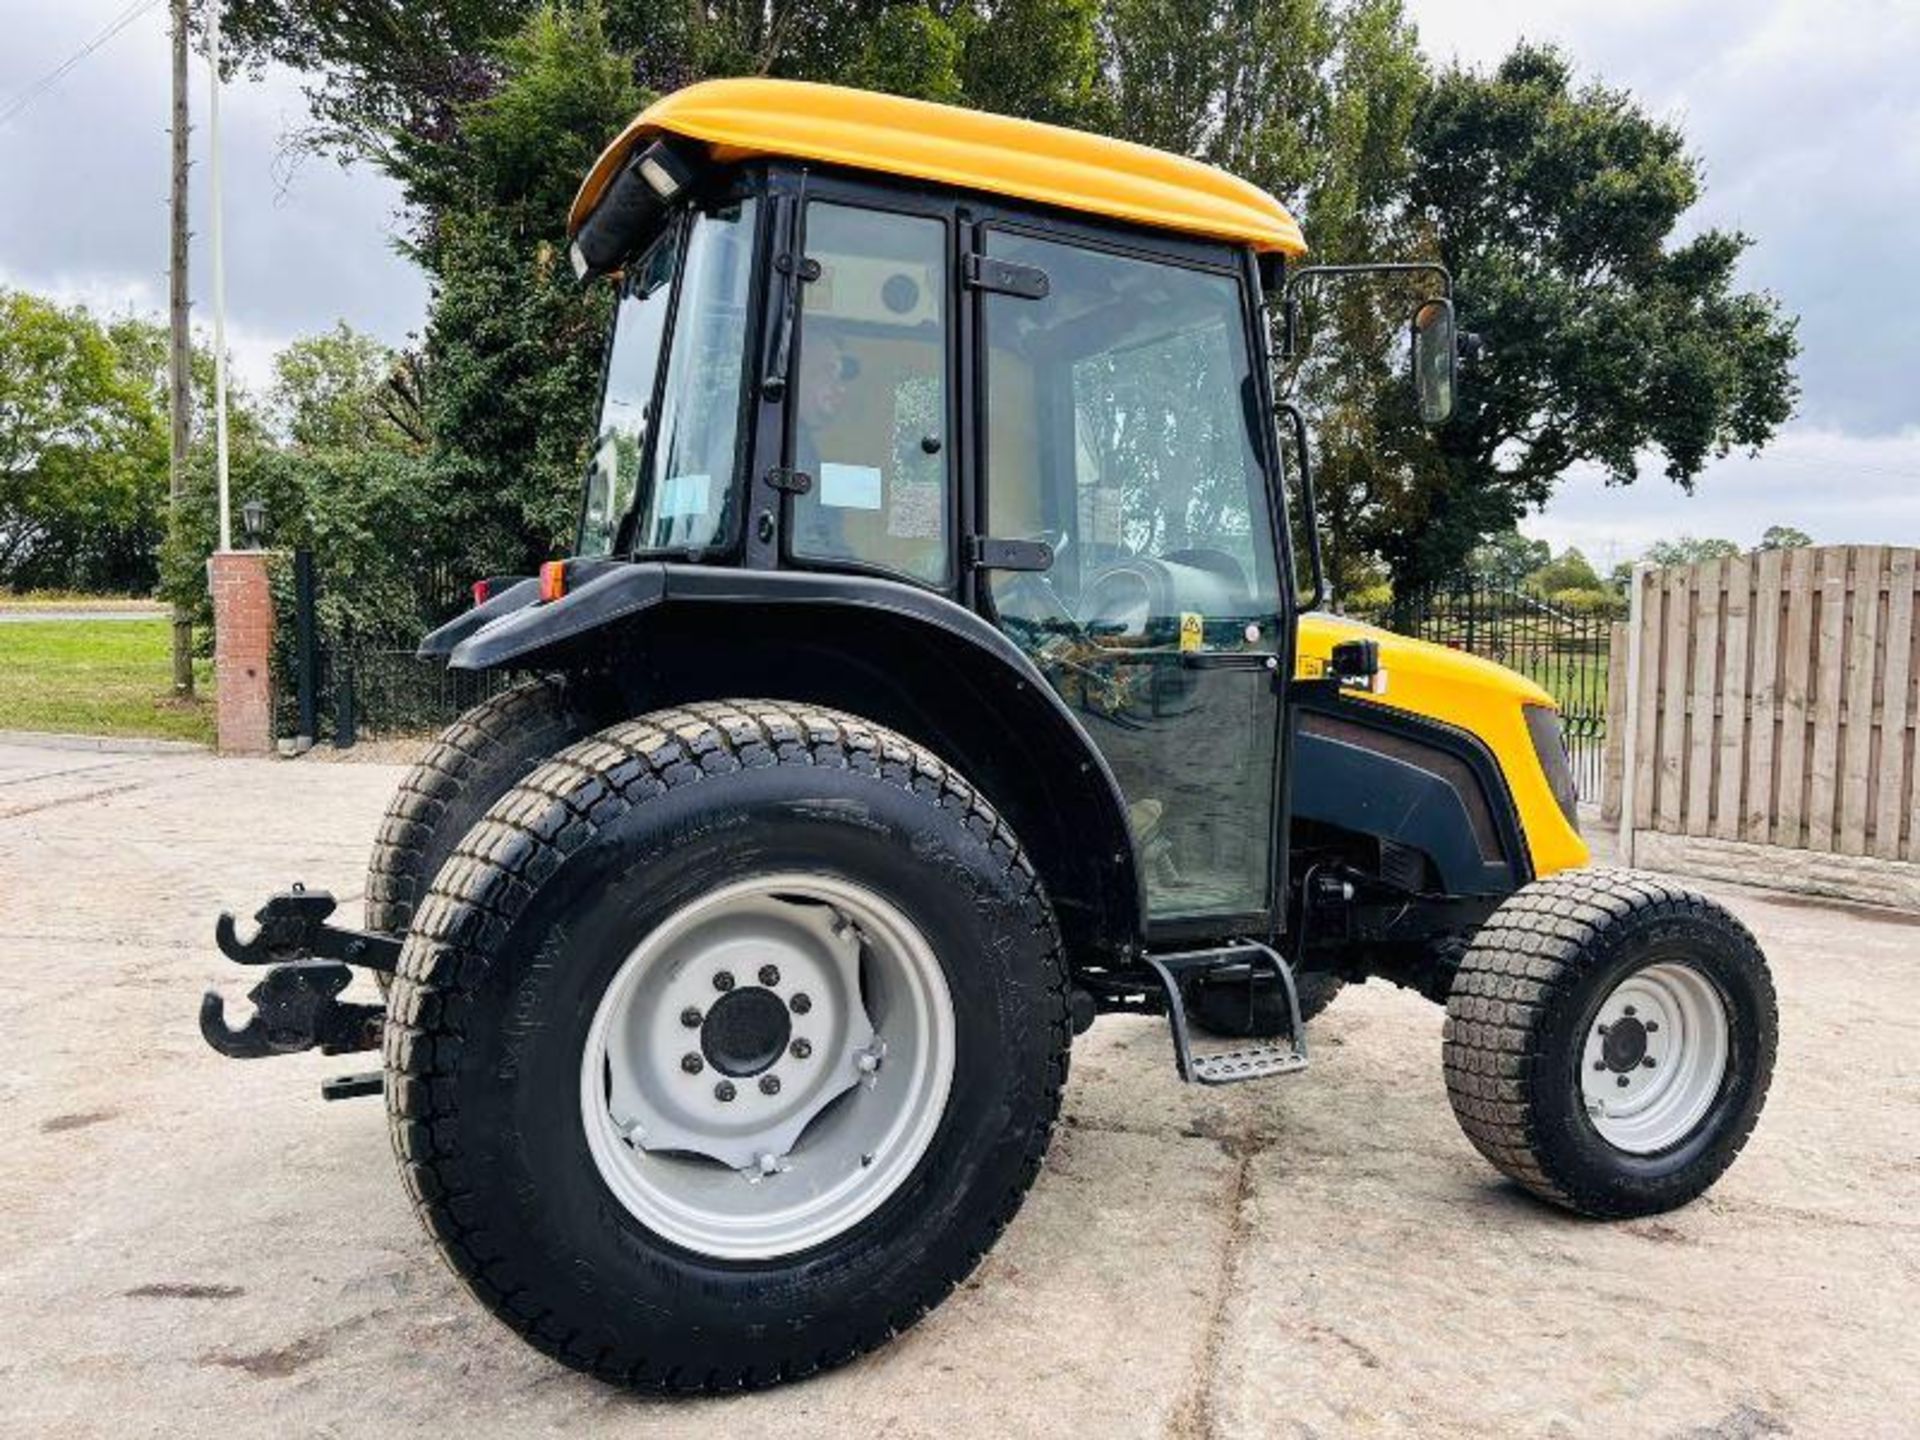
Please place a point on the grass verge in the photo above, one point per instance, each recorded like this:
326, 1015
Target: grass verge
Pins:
98, 677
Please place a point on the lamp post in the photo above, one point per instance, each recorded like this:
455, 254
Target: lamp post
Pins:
253, 518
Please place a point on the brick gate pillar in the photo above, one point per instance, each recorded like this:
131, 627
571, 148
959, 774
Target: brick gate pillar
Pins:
242, 652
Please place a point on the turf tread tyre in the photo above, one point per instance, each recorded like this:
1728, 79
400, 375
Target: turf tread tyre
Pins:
1523, 969
497, 869
474, 761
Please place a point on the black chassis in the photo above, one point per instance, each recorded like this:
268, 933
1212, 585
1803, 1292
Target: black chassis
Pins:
747, 617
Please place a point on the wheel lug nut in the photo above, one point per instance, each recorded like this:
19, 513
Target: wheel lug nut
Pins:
1621, 1082
1629, 1010
724, 1091
1599, 1064
1652, 1025
1648, 1062
769, 1084
1603, 1030
691, 1017
723, 980
692, 1063
769, 974
801, 1049
800, 1004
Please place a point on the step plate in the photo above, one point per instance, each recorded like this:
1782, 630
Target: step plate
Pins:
1258, 1062
1246, 1062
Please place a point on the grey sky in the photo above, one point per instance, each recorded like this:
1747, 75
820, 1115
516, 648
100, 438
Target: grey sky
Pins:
1805, 113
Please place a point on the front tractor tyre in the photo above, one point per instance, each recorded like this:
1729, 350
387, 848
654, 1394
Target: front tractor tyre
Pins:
726, 1044
1609, 1041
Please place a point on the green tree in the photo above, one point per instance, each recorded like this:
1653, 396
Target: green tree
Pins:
1689, 551
514, 343
1569, 570
1507, 558
341, 390
1555, 206
83, 456
1784, 537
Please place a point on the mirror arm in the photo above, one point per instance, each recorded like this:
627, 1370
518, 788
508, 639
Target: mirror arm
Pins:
1290, 299
1322, 592
1381, 267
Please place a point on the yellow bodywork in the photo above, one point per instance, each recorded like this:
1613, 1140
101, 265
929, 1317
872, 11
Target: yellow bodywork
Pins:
996, 154
1470, 694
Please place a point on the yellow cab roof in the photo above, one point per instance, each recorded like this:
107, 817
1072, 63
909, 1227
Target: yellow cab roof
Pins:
1021, 159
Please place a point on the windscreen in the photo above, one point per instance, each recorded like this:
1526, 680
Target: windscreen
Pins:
669, 443
626, 399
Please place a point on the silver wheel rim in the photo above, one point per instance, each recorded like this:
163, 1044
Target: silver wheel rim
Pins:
1655, 1056
768, 1066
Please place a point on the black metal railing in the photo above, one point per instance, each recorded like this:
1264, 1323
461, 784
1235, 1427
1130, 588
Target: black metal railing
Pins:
1564, 651
340, 685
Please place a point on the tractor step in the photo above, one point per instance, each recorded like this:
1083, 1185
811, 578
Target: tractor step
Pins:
1259, 1060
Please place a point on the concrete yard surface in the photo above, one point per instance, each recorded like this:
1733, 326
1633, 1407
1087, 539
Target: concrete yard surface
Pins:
197, 1246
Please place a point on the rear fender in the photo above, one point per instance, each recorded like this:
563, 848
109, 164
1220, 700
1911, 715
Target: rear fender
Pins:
665, 634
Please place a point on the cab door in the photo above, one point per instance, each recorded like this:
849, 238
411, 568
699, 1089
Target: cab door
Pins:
1122, 430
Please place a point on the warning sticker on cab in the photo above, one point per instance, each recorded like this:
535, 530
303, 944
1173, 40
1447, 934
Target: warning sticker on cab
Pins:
1192, 631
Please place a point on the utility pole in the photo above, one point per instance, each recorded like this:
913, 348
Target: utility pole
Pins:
179, 352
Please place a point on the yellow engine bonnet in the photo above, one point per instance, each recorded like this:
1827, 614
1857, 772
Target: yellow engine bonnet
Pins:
1470, 694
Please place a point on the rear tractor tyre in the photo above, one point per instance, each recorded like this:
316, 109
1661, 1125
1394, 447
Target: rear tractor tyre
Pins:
1609, 1041
726, 1044
1222, 1008
476, 760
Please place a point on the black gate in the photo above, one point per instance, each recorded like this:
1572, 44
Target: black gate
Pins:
344, 684
1563, 651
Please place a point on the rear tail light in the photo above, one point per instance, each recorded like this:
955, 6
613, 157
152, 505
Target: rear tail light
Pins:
482, 591
553, 580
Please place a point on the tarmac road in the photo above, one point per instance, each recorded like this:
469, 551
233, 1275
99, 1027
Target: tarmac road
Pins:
194, 1245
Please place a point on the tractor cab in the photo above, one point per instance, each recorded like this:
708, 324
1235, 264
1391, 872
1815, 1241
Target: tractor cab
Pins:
1020, 369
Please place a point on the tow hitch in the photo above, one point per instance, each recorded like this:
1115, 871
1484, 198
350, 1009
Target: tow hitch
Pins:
296, 1005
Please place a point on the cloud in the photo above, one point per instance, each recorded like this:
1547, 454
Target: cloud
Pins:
1840, 489
85, 210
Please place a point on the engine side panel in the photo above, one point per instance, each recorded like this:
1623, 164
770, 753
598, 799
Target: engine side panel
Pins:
1467, 693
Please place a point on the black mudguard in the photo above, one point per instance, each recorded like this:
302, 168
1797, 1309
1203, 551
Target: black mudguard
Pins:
899, 655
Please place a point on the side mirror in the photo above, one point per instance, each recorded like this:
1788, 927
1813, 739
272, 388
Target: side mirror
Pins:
1435, 360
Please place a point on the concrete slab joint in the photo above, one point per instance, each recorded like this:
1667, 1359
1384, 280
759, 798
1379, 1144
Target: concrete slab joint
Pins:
242, 651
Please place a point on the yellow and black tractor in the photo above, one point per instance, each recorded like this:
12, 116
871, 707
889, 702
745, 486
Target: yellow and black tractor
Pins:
936, 673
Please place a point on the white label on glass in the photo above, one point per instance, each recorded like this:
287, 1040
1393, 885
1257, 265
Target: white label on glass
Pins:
849, 487
682, 495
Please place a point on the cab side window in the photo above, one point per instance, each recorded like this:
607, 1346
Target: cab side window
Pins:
869, 395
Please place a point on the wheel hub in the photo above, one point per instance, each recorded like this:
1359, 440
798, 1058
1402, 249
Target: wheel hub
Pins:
745, 1031
1654, 1058
744, 1119
1624, 1045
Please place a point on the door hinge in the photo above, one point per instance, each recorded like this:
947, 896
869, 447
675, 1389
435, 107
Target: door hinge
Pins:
794, 482
1003, 277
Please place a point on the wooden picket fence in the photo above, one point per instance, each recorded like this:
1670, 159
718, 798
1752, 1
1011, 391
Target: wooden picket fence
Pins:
1776, 701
